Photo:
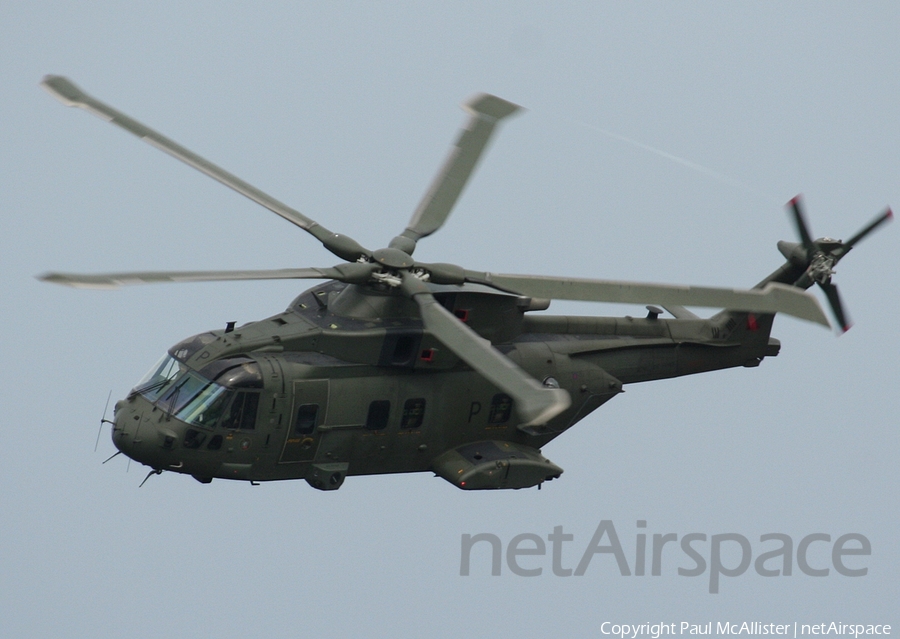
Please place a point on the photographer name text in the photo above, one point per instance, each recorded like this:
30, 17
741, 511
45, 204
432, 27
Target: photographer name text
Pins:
747, 628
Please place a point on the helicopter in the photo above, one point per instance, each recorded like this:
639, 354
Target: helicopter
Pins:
394, 365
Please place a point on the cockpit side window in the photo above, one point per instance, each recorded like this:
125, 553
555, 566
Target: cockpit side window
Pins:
206, 407
242, 412
248, 414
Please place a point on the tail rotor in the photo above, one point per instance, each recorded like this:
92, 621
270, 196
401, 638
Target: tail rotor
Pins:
822, 255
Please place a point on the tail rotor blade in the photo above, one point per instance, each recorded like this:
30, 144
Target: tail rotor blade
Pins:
834, 299
802, 228
874, 224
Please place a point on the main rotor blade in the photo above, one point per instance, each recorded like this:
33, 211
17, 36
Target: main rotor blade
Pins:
486, 111
71, 95
535, 404
874, 224
115, 280
774, 298
802, 228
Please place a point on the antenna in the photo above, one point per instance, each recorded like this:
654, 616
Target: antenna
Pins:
103, 420
155, 471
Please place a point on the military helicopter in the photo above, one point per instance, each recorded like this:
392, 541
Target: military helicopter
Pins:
395, 365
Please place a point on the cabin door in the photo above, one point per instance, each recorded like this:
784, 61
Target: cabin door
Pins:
308, 411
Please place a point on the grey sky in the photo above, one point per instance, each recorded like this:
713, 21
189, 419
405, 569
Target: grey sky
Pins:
345, 111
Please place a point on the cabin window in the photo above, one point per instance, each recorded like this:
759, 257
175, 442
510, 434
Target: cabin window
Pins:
379, 412
242, 412
501, 407
413, 413
307, 419
215, 443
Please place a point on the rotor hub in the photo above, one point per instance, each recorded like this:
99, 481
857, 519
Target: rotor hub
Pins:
820, 269
393, 258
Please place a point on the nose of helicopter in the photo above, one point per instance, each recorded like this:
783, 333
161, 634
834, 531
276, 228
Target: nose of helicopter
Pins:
137, 432
126, 430
122, 431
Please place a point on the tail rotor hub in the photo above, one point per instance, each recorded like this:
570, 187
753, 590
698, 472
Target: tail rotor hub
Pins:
820, 269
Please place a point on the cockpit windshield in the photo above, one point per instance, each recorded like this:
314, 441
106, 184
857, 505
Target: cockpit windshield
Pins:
159, 378
190, 396
182, 391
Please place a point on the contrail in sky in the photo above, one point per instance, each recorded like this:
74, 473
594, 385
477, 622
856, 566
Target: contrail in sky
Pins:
686, 163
